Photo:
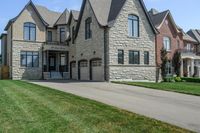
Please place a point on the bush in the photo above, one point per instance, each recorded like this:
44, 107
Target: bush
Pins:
195, 80
178, 79
169, 79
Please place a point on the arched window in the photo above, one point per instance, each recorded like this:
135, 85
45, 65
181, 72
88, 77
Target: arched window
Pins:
133, 26
167, 43
29, 31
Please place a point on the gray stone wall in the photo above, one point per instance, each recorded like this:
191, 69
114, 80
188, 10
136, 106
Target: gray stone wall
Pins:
19, 72
119, 39
94, 47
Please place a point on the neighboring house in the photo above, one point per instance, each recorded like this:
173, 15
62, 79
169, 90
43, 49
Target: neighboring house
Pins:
173, 40
106, 40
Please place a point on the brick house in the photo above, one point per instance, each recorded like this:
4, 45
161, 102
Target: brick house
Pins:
173, 39
113, 43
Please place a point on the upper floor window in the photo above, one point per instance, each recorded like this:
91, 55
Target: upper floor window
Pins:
134, 57
167, 43
73, 33
49, 36
88, 31
133, 26
189, 47
62, 34
29, 31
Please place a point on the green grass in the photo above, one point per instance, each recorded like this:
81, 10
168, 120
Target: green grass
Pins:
28, 108
180, 87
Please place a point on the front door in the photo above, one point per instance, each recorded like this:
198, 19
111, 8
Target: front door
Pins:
52, 63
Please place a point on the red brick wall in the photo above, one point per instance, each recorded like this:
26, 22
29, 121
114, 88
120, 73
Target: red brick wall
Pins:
167, 30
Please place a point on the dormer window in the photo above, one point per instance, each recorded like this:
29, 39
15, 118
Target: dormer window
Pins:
29, 31
88, 31
133, 26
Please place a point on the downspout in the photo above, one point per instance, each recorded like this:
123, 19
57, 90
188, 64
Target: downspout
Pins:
11, 54
105, 53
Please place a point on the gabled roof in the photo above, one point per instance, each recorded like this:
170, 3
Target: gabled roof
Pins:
188, 38
107, 11
75, 14
158, 18
195, 34
34, 7
47, 16
63, 19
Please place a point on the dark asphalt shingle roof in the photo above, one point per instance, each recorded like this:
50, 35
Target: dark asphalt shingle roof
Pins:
195, 34
158, 18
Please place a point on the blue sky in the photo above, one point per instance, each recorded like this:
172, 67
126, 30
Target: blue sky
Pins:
185, 12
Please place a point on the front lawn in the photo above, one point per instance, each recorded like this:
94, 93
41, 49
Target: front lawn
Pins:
180, 87
26, 108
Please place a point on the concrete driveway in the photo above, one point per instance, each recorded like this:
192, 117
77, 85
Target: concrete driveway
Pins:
178, 109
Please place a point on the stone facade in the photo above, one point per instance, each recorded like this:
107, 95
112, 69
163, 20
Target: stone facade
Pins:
91, 48
119, 39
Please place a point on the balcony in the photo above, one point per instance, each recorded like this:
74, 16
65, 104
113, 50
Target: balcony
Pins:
55, 46
189, 53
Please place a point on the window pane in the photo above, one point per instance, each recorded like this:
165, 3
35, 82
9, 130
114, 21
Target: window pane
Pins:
130, 27
23, 59
62, 34
26, 33
146, 57
120, 57
29, 61
136, 57
35, 61
49, 36
135, 23
32, 34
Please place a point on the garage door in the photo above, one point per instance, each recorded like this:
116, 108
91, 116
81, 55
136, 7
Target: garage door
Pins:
97, 70
73, 70
84, 70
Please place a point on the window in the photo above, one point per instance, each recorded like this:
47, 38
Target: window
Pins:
133, 26
169, 68
189, 47
62, 60
134, 57
167, 43
29, 31
83, 64
146, 57
49, 36
120, 56
29, 59
178, 44
73, 33
96, 63
62, 35
88, 31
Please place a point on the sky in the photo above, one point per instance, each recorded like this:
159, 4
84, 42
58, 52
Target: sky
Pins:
185, 12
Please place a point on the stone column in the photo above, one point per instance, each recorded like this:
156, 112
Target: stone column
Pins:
47, 60
192, 67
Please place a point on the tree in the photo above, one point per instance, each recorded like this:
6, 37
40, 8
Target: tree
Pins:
177, 63
164, 60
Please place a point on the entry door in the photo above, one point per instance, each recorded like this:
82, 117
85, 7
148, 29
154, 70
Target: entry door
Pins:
52, 63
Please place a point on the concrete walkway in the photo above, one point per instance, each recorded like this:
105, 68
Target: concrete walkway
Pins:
178, 109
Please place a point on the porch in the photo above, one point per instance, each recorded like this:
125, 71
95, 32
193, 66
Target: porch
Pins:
55, 65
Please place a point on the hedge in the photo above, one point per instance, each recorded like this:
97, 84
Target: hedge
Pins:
195, 80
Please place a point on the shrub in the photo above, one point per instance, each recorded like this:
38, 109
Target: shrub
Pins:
195, 80
178, 79
169, 79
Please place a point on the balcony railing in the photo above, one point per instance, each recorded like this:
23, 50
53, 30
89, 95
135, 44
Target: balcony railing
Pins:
188, 52
56, 43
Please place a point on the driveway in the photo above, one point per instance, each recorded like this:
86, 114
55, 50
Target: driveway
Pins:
178, 109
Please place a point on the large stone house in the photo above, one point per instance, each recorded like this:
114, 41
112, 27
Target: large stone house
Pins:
173, 39
106, 40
